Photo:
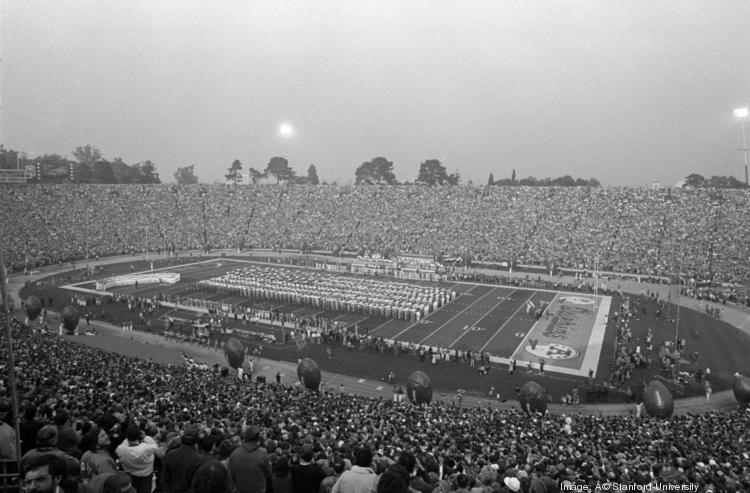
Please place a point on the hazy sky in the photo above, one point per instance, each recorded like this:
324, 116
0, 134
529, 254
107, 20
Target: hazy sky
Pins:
625, 91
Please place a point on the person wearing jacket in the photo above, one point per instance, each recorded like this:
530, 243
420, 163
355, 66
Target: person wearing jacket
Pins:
249, 465
360, 478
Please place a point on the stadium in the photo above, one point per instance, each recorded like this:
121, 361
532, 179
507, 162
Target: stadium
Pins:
374, 247
629, 344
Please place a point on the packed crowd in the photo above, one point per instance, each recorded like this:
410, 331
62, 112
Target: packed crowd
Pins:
376, 297
643, 231
100, 412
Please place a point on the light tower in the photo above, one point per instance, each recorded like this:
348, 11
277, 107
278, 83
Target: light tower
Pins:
741, 114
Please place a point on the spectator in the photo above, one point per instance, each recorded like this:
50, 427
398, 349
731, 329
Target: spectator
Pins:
46, 443
44, 474
338, 467
211, 477
181, 463
96, 459
307, 475
282, 476
136, 455
68, 439
7, 433
360, 478
29, 427
249, 465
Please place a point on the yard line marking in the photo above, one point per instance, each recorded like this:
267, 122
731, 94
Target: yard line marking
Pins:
456, 315
361, 380
506, 322
357, 322
503, 300
379, 388
381, 325
428, 316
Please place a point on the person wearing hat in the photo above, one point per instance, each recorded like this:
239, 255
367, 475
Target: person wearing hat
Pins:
249, 465
181, 463
46, 443
136, 456
7, 434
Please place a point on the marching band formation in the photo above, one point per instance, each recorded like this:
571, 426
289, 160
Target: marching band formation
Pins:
374, 297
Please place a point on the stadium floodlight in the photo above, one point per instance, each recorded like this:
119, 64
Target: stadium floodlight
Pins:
741, 114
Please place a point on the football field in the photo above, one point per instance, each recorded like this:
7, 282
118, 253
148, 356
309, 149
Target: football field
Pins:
497, 320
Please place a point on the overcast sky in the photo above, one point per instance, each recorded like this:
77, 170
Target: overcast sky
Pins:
628, 92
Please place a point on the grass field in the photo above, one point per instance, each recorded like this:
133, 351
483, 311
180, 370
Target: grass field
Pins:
483, 318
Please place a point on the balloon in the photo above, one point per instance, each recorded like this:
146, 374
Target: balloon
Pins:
69, 318
234, 351
419, 388
658, 400
533, 398
308, 373
33, 307
741, 389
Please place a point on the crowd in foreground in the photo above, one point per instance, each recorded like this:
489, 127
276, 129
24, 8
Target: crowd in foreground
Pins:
94, 421
632, 230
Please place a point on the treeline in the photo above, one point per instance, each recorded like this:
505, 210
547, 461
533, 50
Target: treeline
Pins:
695, 180
562, 181
88, 167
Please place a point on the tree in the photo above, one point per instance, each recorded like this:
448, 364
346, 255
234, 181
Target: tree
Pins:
124, 173
147, 173
513, 176
101, 172
453, 179
279, 168
312, 175
564, 181
725, 182
529, 181
87, 154
432, 172
490, 180
694, 180
186, 175
254, 175
379, 171
234, 172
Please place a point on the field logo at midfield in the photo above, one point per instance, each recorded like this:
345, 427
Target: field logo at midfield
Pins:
577, 300
553, 351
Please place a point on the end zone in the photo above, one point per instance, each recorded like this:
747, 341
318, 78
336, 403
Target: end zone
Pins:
569, 337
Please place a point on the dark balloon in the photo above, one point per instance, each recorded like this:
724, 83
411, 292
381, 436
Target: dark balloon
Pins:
308, 373
658, 400
33, 307
69, 318
741, 389
419, 388
533, 398
234, 351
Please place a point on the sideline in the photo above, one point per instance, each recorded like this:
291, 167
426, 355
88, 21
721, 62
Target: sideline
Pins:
723, 400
